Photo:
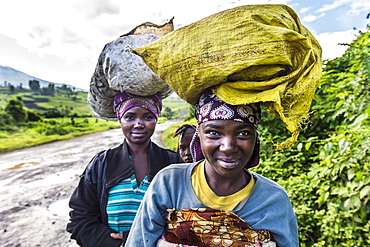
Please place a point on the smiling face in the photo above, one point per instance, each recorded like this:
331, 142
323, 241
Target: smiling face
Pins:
227, 146
138, 125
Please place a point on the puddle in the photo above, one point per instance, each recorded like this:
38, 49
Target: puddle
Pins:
21, 165
60, 208
57, 178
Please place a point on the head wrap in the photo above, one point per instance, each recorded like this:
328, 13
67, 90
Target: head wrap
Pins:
124, 101
182, 129
210, 107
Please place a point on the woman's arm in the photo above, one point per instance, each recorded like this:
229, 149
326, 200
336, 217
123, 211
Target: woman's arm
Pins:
86, 224
85, 221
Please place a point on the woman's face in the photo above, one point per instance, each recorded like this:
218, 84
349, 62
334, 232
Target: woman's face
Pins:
227, 146
138, 125
184, 145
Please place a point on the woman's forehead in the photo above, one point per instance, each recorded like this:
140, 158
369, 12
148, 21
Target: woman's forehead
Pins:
225, 123
138, 109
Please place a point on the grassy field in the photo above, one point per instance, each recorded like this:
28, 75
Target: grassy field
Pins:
53, 129
60, 129
76, 104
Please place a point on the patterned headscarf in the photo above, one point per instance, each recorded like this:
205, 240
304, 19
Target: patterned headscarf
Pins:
124, 101
182, 129
210, 107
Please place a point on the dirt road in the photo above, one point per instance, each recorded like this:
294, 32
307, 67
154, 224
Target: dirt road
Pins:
36, 183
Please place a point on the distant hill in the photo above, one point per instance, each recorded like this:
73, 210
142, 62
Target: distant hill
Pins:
16, 78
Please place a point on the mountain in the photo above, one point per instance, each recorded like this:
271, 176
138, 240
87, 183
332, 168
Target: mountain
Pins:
16, 78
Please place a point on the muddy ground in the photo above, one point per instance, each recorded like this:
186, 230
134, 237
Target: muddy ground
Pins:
36, 183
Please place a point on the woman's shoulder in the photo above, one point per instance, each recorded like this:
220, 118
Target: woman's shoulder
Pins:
179, 167
97, 163
175, 171
173, 156
264, 182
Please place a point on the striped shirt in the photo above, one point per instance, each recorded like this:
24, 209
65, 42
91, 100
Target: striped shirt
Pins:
123, 202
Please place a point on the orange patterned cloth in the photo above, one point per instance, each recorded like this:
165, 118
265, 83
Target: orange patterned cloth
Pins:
206, 227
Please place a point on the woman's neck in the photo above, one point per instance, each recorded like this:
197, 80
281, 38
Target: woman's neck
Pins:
223, 186
138, 149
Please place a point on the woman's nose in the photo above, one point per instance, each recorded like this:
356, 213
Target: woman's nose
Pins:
187, 151
138, 124
227, 145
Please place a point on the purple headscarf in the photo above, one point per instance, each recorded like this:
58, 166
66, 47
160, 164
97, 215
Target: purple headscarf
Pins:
210, 107
124, 101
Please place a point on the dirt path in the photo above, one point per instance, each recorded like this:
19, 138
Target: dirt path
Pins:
36, 183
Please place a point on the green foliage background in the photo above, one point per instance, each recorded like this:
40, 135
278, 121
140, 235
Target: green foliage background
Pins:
326, 173
29, 118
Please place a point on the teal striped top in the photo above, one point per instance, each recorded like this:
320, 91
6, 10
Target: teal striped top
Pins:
123, 202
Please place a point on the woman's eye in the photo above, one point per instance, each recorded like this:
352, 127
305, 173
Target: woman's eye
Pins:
149, 117
244, 133
128, 117
212, 133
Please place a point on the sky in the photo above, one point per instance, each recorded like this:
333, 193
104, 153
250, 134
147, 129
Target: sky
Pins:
60, 40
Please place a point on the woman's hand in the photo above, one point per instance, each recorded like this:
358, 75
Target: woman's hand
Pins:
118, 235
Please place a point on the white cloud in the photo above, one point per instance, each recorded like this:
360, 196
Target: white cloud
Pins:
336, 4
354, 8
358, 6
72, 33
311, 18
304, 10
330, 42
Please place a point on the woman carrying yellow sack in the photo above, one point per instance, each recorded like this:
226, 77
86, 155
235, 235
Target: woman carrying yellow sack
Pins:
217, 201
231, 63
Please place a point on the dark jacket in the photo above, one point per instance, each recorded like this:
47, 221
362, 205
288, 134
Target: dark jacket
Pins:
88, 218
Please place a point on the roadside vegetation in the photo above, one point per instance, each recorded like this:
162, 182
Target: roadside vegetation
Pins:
34, 116
327, 172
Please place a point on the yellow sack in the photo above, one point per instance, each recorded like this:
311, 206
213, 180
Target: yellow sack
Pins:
249, 54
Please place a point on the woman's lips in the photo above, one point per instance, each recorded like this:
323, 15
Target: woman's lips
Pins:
228, 164
137, 134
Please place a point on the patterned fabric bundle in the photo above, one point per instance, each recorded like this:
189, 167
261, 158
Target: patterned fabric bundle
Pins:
207, 227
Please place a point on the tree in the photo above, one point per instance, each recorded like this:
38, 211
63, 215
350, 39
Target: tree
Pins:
168, 113
34, 85
15, 108
11, 88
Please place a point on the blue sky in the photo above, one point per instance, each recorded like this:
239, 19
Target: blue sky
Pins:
60, 40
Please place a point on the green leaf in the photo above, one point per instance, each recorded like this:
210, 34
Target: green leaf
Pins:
365, 191
353, 202
351, 173
329, 147
308, 145
339, 191
299, 146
